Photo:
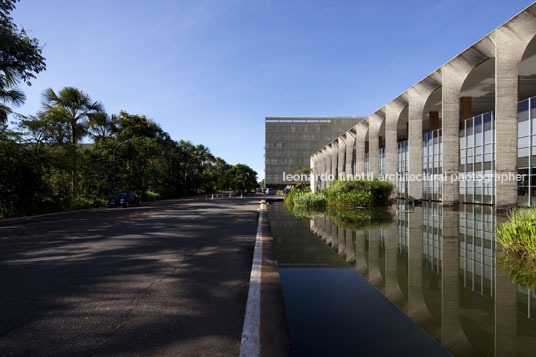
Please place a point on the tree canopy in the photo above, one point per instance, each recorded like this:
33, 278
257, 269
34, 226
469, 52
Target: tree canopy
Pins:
21, 59
44, 170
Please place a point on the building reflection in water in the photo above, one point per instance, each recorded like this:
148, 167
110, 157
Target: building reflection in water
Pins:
438, 266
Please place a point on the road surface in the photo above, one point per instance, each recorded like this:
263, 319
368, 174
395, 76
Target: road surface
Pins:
163, 280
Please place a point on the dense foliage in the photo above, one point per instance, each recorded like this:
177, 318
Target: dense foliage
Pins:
358, 193
350, 194
518, 236
43, 168
20, 59
305, 198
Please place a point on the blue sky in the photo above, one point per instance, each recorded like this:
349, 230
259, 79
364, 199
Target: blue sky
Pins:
210, 71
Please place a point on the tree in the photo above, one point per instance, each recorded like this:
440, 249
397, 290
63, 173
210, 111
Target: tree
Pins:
102, 126
20, 59
242, 177
8, 95
73, 107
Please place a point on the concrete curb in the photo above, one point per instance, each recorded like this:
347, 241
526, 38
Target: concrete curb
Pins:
250, 345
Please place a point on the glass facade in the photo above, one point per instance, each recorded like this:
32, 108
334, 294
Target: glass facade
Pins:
402, 169
432, 165
366, 163
526, 152
477, 159
477, 248
381, 154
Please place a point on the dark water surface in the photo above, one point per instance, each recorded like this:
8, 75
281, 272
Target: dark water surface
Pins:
416, 281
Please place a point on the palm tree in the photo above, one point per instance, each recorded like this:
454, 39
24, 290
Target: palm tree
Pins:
102, 125
9, 94
72, 106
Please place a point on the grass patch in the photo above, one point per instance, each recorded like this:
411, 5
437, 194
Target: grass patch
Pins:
518, 236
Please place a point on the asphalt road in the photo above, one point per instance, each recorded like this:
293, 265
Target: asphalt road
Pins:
165, 280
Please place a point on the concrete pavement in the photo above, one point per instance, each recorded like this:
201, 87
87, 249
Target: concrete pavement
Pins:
170, 279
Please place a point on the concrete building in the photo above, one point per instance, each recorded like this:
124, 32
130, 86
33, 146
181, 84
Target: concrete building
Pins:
291, 141
476, 114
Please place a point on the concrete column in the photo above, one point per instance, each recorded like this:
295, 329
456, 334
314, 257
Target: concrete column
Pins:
375, 122
341, 144
334, 159
350, 153
392, 113
361, 137
509, 50
324, 168
312, 170
329, 165
415, 111
452, 81
320, 168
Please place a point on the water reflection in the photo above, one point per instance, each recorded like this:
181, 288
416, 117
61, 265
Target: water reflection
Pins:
441, 267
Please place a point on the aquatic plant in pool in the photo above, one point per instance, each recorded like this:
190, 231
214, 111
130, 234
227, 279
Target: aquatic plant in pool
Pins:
520, 270
518, 236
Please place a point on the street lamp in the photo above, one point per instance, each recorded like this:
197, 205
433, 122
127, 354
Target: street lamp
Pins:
126, 141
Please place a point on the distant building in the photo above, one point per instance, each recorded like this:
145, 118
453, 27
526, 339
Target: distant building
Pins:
290, 141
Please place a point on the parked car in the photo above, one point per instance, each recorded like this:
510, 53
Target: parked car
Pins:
124, 199
270, 191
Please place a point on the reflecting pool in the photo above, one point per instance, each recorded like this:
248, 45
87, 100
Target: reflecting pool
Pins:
408, 281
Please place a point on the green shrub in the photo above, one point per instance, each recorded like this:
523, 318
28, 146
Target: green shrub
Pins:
83, 203
358, 193
152, 196
289, 197
309, 200
519, 235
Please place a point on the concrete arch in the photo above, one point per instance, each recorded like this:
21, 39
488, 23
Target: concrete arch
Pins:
393, 111
375, 124
334, 159
350, 152
417, 97
454, 74
527, 71
511, 41
341, 156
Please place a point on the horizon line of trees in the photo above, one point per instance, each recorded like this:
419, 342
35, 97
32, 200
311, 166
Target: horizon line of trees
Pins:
43, 168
